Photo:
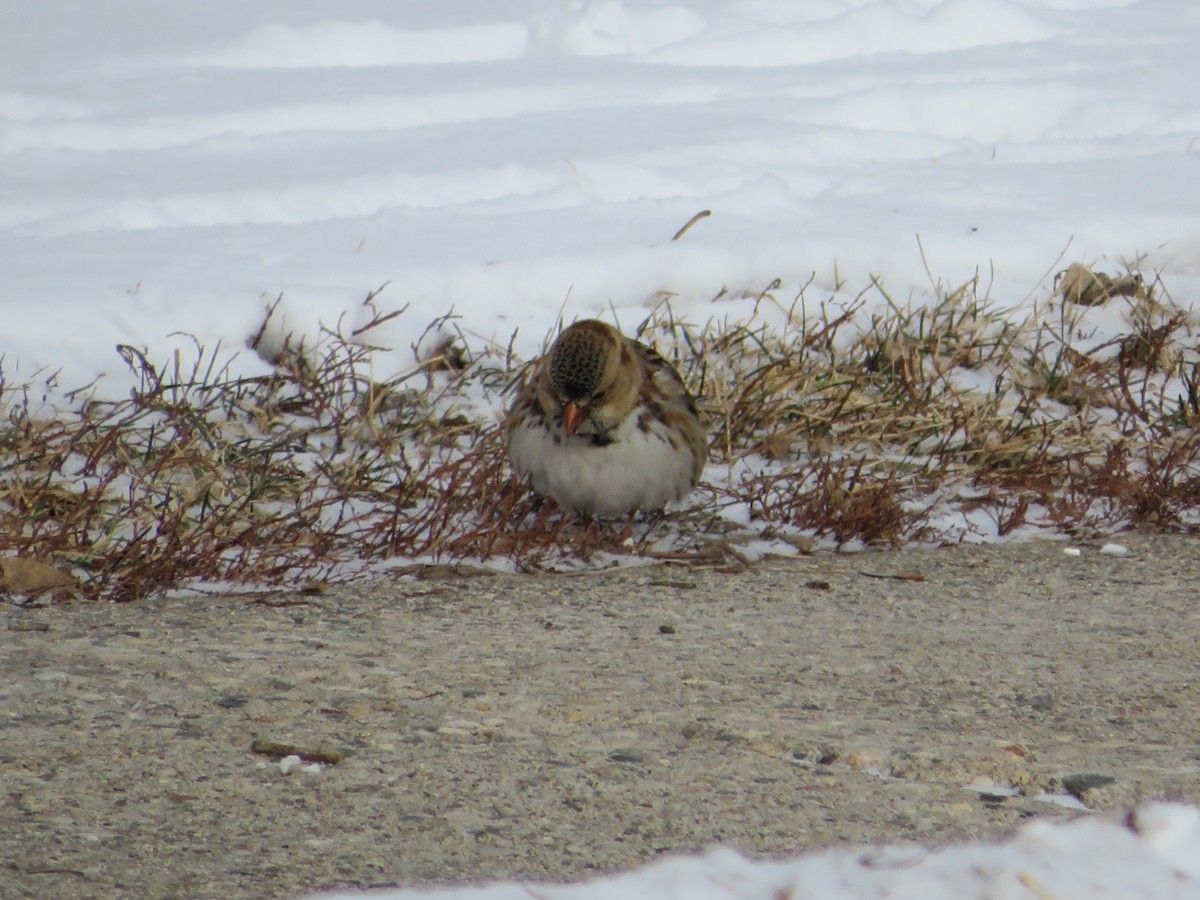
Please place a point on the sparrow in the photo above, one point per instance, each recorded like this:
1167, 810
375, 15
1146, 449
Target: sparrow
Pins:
605, 426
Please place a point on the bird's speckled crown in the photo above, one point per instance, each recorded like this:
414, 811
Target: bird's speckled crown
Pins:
577, 362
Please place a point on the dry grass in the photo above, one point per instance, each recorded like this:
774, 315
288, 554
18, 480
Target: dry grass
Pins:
855, 423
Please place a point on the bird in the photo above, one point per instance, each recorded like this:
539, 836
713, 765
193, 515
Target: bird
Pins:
604, 426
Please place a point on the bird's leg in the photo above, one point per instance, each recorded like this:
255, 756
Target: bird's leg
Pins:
627, 532
548, 509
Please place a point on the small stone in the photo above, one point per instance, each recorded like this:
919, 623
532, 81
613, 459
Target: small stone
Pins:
27, 626
1114, 550
459, 728
1079, 784
1072, 551
627, 756
290, 764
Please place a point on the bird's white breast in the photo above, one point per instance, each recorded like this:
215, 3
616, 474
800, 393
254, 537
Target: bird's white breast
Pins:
639, 469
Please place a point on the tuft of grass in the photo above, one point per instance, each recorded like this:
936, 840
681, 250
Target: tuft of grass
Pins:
835, 421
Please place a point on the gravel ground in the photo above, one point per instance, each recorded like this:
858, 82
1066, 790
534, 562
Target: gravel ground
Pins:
554, 726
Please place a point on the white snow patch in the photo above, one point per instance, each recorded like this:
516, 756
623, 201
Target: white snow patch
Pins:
1156, 853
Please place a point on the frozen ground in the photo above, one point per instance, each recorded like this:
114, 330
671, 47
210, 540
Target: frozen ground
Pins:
171, 168
549, 730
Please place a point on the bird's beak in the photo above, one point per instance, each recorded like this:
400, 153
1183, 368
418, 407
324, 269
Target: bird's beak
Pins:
572, 416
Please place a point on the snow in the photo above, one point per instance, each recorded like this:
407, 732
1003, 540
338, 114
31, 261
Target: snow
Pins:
171, 169
1155, 854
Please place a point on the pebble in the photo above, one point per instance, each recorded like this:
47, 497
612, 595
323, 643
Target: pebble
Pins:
290, 764
1077, 785
1114, 550
1072, 551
